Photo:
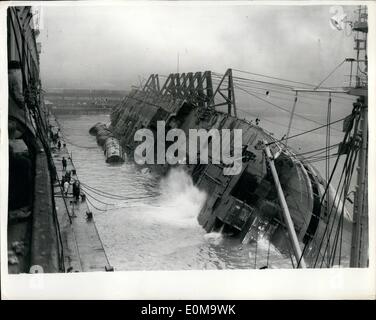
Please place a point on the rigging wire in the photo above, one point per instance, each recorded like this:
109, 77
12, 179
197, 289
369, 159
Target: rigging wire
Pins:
115, 196
343, 191
282, 108
335, 197
86, 191
292, 114
318, 159
343, 171
308, 131
327, 140
322, 150
247, 80
355, 116
104, 195
341, 235
282, 96
328, 218
87, 199
267, 120
269, 97
291, 89
300, 134
329, 215
283, 125
274, 78
328, 76
348, 176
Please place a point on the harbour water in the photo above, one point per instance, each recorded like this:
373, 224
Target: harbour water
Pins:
147, 222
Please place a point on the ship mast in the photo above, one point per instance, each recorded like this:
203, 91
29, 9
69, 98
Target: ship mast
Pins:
359, 242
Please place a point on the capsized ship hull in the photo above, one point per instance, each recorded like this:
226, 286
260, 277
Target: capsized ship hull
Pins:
244, 205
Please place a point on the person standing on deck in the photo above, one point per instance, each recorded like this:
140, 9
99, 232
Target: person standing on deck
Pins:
64, 162
59, 145
68, 176
66, 188
76, 191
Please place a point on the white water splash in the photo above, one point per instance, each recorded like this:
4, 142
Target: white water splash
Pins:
180, 201
214, 237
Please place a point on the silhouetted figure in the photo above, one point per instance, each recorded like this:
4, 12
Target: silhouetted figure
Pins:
59, 145
68, 176
76, 191
64, 162
89, 215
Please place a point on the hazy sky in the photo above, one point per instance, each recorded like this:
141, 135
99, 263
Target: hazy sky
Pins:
111, 46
